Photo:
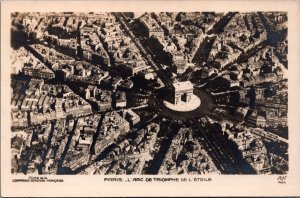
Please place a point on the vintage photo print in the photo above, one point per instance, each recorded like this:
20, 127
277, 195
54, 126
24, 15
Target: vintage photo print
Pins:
170, 97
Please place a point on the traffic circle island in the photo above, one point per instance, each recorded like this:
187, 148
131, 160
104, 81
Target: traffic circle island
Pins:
181, 104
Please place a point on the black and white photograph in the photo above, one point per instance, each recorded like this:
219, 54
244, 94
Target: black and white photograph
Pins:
149, 93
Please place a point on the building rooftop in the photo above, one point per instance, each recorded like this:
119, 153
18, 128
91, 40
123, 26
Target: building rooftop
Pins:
178, 86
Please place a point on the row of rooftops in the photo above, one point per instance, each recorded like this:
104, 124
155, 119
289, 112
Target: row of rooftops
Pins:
185, 144
150, 23
50, 53
135, 147
91, 42
30, 101
42, 95
29, 61
120, 45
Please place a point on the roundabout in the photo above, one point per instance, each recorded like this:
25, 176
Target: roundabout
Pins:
194, 103
159, 101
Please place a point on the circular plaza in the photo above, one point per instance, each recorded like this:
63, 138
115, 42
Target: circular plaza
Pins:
199, 104
193, 104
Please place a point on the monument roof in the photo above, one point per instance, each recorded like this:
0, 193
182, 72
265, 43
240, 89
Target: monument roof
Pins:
178, 86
